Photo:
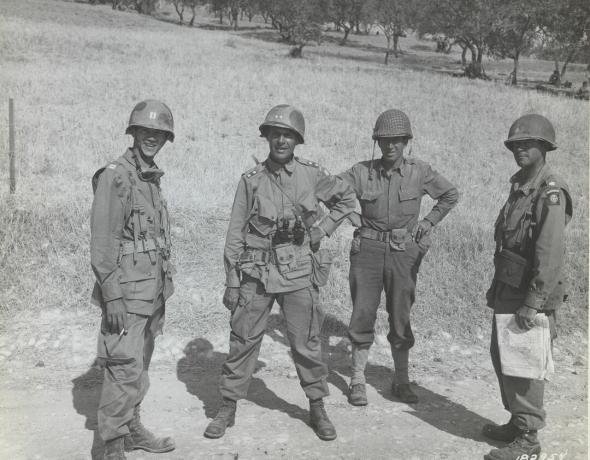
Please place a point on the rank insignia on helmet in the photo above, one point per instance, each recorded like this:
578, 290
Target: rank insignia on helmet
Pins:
112, 166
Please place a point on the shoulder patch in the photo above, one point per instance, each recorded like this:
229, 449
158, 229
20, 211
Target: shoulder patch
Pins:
553, 196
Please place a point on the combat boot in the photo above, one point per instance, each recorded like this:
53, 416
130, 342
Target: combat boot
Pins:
319, 421
525, 444
357, 395
140, 437
113, 449
225, 418
505, 433
403, 392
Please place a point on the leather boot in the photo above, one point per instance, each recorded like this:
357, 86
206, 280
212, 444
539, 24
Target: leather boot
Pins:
140, 437
113, 449
505, 433
357, 395
403, 392
319, 421
225, 418
525, 444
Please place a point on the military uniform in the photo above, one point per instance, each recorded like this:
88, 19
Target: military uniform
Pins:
384, 255
268, 265
531, 225
130, 248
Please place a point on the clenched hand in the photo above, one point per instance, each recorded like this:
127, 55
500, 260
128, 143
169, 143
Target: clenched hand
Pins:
525, 317
421, 229
231, 297
116, 313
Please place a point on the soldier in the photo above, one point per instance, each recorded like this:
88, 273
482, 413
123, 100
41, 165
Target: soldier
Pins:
130, 250
272, 243
389, 245
529, 232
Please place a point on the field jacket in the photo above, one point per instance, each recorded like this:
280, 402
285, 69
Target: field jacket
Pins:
130, 237
268, 196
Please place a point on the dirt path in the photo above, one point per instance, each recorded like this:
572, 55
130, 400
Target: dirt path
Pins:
48, 396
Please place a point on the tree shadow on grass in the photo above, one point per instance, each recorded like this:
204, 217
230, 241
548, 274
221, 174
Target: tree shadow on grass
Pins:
85, 397
200, 370
433, 408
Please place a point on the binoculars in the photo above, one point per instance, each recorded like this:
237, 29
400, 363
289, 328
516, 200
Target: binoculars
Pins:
285, 234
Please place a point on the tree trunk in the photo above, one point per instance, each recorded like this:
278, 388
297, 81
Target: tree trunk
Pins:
296, 51
235, 13
515, 70
395, 44
387, 51
463, 54
569, 58
180, 11
346, 32
192, 21
220, 16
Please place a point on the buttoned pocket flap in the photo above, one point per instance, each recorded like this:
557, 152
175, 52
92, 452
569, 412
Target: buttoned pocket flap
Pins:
408, 193
369, 196
266, 208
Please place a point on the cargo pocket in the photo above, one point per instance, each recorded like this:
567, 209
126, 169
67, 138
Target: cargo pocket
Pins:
321, 263
139, 286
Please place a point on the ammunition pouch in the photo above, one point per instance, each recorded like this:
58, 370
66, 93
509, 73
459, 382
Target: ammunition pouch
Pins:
292, 261
511, 268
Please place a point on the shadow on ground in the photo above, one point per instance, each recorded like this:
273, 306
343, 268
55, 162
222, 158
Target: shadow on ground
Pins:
200, 370
435, 409
85, 397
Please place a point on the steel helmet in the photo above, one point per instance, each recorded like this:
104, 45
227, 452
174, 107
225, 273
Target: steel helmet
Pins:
532, 126
392, 123
284, 116
152, 114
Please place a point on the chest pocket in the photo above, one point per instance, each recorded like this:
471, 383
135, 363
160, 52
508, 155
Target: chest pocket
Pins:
264, 215
370, 204
409, 200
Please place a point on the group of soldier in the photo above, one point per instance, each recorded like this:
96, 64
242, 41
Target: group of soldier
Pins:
273, 253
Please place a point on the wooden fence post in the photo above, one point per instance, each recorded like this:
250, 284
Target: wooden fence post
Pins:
11, 153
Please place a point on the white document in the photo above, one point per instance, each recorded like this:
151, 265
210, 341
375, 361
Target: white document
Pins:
523, 353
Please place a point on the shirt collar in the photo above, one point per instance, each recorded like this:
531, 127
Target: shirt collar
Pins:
275, 167
400, 164
528, 187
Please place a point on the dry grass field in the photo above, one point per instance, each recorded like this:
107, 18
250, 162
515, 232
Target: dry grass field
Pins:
76, 71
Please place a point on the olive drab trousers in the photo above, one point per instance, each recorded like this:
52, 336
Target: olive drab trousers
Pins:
248, 324
375, 268
126, 379
522, 397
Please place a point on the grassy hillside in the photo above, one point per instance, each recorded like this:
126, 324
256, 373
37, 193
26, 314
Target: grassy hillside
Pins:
75, 72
